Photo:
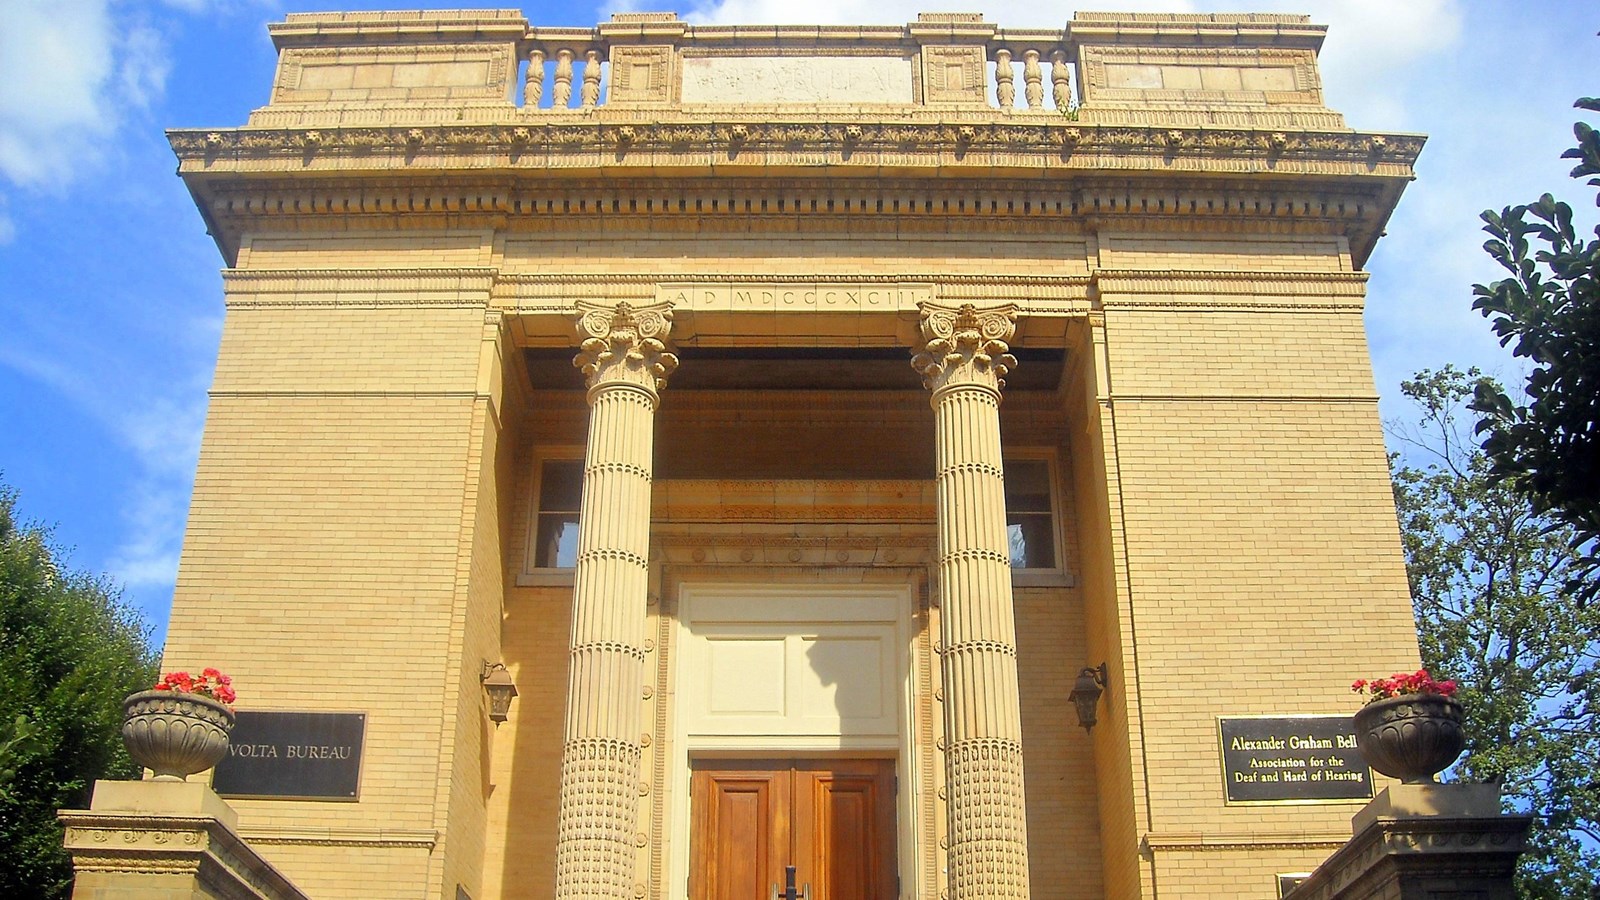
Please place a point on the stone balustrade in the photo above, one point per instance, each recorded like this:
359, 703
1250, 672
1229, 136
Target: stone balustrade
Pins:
481, 66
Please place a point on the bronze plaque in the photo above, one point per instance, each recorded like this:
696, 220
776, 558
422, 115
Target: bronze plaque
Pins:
1293, 759
293, 756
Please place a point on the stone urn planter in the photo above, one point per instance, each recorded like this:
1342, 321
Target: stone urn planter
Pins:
1411, 737
175, 734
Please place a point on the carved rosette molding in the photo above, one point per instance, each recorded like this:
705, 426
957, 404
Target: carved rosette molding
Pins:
963, 361
625, 359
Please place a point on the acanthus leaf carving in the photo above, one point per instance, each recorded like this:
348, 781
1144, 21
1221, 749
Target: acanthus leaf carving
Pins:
966, 345
625, 343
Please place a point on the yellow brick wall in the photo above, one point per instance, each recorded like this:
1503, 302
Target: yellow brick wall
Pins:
1257, 253
1255, 504
480, 591
1058, 759
333, 562
313, 350
525, 771
525, 761
1107, 618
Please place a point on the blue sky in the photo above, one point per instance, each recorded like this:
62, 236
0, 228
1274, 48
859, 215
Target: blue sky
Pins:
111, 301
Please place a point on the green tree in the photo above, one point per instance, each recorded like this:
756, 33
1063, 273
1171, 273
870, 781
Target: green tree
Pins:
1548, 312
70, 650
1489, 586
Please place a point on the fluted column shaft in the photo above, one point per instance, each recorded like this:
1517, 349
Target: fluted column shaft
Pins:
964, 363
626, 362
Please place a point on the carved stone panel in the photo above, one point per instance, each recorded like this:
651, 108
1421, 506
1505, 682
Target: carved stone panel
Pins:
799, 79
953, 75
1201, 76
411, 73
641, 75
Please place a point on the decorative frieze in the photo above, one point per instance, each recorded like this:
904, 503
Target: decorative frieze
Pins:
766, 80
1031, 135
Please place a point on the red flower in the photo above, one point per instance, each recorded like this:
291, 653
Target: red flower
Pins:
220, 689
1418, 682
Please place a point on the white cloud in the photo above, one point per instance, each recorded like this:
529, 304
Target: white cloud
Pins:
70, 74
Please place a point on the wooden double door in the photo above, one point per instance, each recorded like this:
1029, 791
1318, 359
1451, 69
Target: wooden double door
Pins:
832, 819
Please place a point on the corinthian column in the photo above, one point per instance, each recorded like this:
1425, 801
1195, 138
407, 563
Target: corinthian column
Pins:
625, 361
964, 361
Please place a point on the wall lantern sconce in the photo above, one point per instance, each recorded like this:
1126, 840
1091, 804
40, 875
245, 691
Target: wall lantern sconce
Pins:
498, 685
1086, 691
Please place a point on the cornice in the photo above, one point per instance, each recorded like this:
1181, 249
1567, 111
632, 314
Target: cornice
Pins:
978, 142
1006, 203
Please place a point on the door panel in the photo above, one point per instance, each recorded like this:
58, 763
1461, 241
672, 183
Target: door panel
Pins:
745, 811
833, 820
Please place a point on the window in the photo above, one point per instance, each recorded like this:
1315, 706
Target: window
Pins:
1030, 514
555, 543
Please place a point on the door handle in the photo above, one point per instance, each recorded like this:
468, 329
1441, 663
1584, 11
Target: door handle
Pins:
789, 892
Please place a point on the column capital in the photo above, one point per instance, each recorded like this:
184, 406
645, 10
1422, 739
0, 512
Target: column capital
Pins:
625, 344
965, 345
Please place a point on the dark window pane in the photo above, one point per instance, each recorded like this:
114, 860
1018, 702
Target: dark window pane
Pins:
1027, 485
1032, 540
561, 485
557, 546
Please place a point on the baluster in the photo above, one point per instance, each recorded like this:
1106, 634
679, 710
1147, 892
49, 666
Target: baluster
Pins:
1033, 78
561, 96
533, 82
591, 78
1061, 80
1004, 90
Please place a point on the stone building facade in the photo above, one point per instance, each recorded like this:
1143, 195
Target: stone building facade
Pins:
795, 413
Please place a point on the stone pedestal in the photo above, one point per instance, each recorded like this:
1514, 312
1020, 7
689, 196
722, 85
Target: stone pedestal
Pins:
165, 840
1425, 842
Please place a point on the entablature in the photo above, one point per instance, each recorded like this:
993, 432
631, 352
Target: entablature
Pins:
981, 204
